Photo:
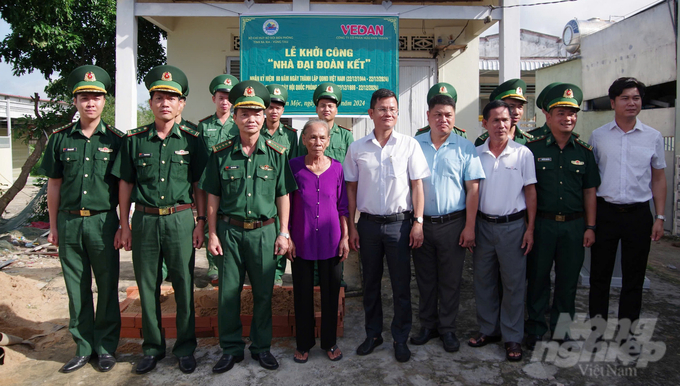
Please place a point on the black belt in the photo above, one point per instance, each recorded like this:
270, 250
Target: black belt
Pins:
624, 208
85, 212
444, 218
162, 211
559, 217
247, 224
501, 219
386, 219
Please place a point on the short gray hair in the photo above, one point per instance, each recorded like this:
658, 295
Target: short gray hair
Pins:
314, 121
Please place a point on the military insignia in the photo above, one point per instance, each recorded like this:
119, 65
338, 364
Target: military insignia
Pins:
89, 77
167, 76
222, 145
266, 167
568, 93
69, 149
249, 92
277, 91
227, 82
443, 90
231, 167
577, 162
518, 91
584, 144
276, 146
182, 152
329, 89
143, 155
105, 150
546, 159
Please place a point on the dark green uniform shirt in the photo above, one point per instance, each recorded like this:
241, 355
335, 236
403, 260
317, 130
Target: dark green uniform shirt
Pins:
161, 169
85, 165
563, 174
341, 138
213, 131
545, 130
248, 185
521, 137
284, 135
455, 130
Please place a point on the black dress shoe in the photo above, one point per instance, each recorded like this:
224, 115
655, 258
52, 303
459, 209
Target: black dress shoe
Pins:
187, 364
451, 343
266, 360
425, 335
105, 362
369, 345
226, 362
74, 364
148, 363
531, 341
401, 352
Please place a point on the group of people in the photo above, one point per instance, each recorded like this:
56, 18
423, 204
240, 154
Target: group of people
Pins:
518, 201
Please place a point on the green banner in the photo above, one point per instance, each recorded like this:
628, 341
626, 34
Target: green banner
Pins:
358, 53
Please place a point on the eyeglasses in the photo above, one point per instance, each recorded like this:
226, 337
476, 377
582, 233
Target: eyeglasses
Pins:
384, 111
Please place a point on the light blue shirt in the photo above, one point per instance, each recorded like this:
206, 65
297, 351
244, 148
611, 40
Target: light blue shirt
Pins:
455, 162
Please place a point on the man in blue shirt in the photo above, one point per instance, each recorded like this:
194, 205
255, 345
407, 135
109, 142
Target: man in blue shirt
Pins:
451, 199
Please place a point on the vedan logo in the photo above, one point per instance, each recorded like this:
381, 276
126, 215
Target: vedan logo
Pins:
270, 27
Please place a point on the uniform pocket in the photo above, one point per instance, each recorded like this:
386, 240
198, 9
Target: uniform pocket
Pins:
231, 180
265, 179
72, 163
179, 166
146, 169
103, 163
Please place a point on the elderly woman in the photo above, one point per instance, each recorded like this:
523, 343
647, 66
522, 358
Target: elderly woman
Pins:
318, 230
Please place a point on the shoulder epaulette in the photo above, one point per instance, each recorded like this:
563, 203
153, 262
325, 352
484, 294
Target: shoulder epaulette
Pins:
423, 130
191, 124
576, 134
115, 131
290, 128
536, 139
484, 136
459, 129
524, 133
138, 130
222, 145
208, 117
66, 126
343, 127
584, 144
189, 130
279, 148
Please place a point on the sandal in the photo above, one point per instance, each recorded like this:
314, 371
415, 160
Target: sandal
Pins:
332, 352
305, 354
513, 351
482, 340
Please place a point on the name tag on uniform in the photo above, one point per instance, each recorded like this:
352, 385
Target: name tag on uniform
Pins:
69, 149
231, 167
144, 155
210, 129
266, 167
577, 162
546, 159
105, 150
182, 152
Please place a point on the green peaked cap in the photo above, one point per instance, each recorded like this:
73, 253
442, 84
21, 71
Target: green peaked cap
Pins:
249, 94
442, 89
88, 79
513, 88
563, 95
278, 93
224, 83
541, 96
167, 79
327, 91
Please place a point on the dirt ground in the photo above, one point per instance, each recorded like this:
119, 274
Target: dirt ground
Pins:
34, 306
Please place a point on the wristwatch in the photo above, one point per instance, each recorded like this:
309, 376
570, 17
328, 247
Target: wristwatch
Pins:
199, 218
286, 235
660, 217
419, 220
591, 227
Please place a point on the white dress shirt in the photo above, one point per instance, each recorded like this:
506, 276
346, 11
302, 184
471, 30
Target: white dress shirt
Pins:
384, 174
502, 191
625, 161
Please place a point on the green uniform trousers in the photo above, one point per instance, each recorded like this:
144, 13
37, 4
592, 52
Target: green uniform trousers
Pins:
244, 251
86, 246
281, 260
561, 242
165, 238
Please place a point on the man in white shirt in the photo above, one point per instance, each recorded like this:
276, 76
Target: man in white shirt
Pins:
507, 196
384, 172
630, 158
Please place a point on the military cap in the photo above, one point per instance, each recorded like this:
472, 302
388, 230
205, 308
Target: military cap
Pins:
541, 96
88, 79
166, 78
186, 92
513, 88
224, 83
563, 95
327, 91
277, 93
442, 89
249, 94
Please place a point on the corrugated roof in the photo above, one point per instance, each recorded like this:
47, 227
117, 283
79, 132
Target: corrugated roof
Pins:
525, 65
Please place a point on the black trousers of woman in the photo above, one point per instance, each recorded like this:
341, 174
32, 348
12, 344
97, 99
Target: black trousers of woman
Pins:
303, 290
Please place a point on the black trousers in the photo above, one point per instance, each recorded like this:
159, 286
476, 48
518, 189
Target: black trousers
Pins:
330, 273
634, 229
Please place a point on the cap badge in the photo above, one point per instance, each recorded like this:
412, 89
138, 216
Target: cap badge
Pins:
89, 77
167, 76
443, 90
277, 91
519, 91
568, 93
227, 82
329, 89
249, 92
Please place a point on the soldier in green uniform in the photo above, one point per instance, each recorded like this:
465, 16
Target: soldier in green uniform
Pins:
283, 134
81, 198
567, 179
247, 180
511, 92
543, 130
448, 90
182, 104
214, 129
159, 167
327, 97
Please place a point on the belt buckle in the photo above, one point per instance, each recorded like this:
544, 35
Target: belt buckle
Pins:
250, 224
85, 213
164, 211
560, 217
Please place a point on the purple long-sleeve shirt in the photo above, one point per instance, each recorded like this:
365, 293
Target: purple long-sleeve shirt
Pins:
316, 207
